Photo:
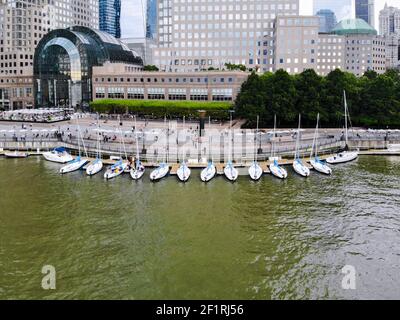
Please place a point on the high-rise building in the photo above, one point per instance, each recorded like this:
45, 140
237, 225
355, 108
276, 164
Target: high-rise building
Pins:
22, 24
296, 43
343, 9
201, 34
110, 17
365, 9
393, 51
151, 19
389, 20
327, 20
365, 50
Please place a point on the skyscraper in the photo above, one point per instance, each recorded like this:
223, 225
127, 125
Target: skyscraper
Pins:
327, 20
151, 19
22, 24
110, 17
201, 34
343, 9
389, 21
365, 10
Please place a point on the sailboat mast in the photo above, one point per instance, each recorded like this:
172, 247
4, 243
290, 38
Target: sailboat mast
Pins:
297, 153
256, 139
273, 138
345, 117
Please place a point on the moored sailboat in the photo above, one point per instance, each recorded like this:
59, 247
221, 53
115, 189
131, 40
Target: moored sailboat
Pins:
315, 161
231, 173
208, 173
274, 167
96, 165
346, 155
184, 171
255, 171
79, 162
163, 168
298, 165
138, 171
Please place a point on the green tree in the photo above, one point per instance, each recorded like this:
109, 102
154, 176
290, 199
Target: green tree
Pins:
150, 68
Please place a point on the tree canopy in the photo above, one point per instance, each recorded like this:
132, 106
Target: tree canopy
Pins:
373, 99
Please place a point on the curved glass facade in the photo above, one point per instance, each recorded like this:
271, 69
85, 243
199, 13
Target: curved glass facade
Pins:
64, 60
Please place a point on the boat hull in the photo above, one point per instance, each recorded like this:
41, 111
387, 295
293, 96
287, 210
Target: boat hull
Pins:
111, 174
255, 172
208, 173
159, 173
137, 174
231, 173
16, 155
94, 168
58, 158
301, 169
73, 166
320, 167
278, 171
343, 157
183, 173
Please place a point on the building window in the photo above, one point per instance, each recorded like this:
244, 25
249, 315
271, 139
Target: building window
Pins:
100, 93
222, 94
136, 93
116, 93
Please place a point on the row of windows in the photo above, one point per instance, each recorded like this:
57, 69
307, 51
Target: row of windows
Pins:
137, 96
170, 80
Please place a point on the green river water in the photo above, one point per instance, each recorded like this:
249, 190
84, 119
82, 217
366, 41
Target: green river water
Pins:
140, 240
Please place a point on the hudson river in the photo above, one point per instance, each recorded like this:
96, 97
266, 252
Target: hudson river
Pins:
272, 239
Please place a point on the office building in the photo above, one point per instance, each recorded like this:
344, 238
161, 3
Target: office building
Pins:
22, 24
393, 51
296, 43
365, 9
151, 19
331, 53
201, 34
110, 17
327, 20
365, 50
389, 20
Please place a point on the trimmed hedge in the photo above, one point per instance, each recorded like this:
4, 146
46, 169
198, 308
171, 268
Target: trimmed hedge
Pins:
161, 108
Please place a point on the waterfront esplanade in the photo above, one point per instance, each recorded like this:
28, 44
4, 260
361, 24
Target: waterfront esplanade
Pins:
64, 60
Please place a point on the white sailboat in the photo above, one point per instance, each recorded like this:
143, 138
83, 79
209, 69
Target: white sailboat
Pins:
96, 165
59, 155
79, 162
347, 155
274, 167
115, 170
255, 170
298, 165
184, 171
138, 171
163, 169
231, 173
209, 173
315, 162
120, 166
